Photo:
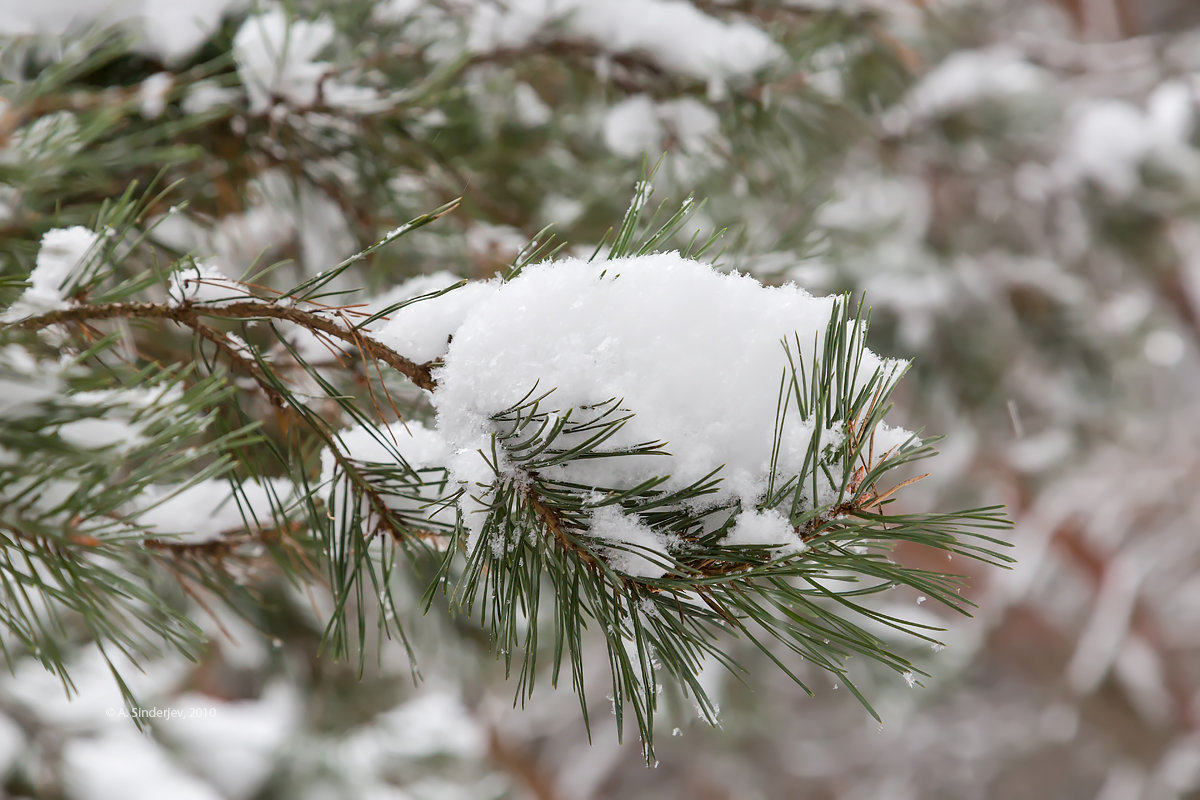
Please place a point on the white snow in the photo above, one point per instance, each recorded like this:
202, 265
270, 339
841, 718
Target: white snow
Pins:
631, 127
207, 94
26, 383
209, 509
531, 110
153, 94
203, 283
62, 260
768, 527
1110, 140
641, 552
638, 125
123, 764
234, 745
12, 743
433, 722
275, 59
168, 29
420, 447
674, 34
95, 432
420, 331
174, 30
965, 79
679, 343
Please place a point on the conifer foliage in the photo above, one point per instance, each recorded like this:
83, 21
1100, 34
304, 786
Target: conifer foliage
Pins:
617, 439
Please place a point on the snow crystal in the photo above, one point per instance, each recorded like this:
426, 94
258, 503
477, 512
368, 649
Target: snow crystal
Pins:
680, 344
275, 59
910, 678
642, 551
203, 283
768, 527
61, 261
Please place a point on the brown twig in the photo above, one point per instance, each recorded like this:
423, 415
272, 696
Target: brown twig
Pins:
188, 314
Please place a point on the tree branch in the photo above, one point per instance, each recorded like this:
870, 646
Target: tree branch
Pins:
188, 314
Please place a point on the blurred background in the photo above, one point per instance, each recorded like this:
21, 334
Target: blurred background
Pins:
1014, 186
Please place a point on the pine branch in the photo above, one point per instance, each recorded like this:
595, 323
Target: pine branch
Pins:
188, 314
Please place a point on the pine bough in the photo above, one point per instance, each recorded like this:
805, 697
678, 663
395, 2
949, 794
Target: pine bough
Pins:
633, 444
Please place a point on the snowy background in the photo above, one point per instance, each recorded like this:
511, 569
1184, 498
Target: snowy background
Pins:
1015, 186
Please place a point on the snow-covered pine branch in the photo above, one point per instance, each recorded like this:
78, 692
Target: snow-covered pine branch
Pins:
640, 442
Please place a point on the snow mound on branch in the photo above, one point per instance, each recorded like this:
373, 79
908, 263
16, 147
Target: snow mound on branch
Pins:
420, 331
695, 354
168, 29
276, 59
1112, 139
641, 551
673, 34
61, 261
765, 528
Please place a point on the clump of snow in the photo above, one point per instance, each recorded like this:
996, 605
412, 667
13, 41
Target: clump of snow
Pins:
695, 354
202, 282
153, 94
61, 261
205, 95
276, 59
167, 29
638, 125
421, 331
124, 764
174, 30
431, 723
532, 111
209, 509
639, 551
234, 744
768, 527
1110, 140
631, 127
965, 79
94, 433
674, 34
420, 447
